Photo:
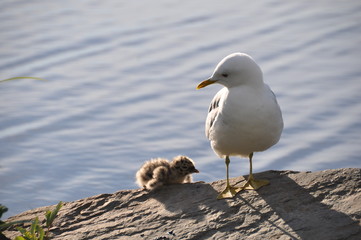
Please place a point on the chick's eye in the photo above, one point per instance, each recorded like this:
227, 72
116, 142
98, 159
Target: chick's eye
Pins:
225, 75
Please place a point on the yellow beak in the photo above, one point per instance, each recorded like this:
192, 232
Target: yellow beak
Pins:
205, 83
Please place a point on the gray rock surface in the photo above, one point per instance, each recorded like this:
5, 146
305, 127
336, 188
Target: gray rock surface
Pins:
297, 205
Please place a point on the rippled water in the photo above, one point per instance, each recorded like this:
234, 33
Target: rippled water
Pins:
121, 89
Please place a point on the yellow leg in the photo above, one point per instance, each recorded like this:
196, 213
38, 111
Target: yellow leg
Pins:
253, 184
229, 192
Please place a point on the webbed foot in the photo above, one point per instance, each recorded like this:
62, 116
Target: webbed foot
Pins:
229, 192
253, 184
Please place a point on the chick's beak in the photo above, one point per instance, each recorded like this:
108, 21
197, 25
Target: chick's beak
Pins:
196, 171
205, 83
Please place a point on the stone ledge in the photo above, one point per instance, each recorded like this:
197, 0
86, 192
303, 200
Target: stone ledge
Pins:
296, 205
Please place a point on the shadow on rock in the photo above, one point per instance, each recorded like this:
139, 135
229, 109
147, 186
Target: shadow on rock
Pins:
194, 200
301, 208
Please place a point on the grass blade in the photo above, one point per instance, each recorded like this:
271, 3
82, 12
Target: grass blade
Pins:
54, 213
16, 78
19, 238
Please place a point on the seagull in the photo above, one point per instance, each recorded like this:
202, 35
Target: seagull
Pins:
244, 116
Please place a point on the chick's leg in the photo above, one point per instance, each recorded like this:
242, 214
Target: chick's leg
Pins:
188, 179
160, 176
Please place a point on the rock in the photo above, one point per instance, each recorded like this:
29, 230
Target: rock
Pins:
297, 205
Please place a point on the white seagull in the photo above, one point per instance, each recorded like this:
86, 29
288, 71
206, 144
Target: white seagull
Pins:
244, 116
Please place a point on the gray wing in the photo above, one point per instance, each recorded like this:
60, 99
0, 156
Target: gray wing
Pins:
213, 111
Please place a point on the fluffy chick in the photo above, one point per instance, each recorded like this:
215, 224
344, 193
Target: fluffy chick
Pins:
158, 172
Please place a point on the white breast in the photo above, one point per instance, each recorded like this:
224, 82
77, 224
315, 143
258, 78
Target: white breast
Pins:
243, 120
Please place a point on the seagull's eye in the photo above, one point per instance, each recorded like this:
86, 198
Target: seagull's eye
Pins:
225, 75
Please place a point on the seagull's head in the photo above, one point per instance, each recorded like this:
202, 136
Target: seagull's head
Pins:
234, 70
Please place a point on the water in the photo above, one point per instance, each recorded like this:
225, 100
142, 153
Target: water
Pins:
121, 89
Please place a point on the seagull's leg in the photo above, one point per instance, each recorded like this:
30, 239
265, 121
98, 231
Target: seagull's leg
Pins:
229, 192
253, 184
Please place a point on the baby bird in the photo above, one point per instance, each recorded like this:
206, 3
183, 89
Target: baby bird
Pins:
158, 172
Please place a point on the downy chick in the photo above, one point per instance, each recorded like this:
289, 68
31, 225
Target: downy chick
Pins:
158, 172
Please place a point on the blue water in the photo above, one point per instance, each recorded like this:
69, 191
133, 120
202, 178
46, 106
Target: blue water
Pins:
120, 89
